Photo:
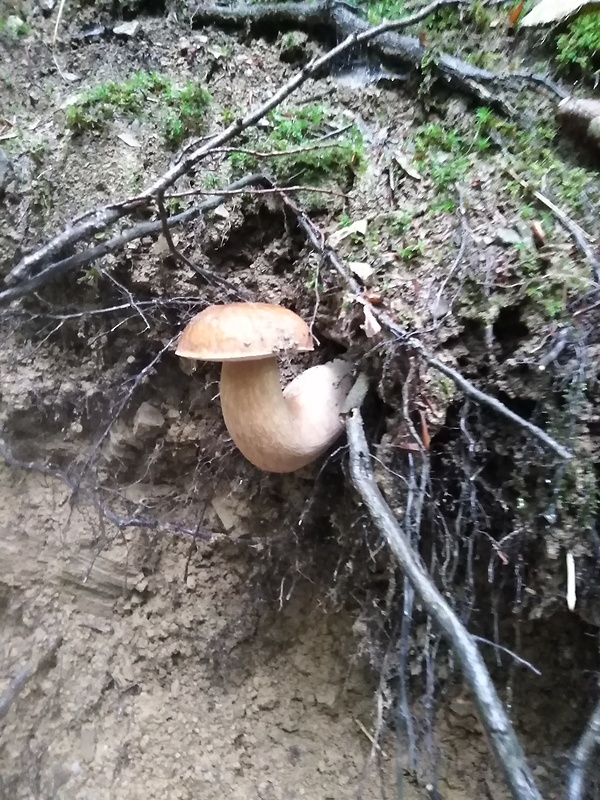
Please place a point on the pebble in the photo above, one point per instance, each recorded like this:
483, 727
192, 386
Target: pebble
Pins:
128, 30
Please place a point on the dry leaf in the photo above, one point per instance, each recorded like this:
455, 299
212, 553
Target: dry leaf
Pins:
516, 12
129, 139
359, 227
548, 11
362, 269
404, 165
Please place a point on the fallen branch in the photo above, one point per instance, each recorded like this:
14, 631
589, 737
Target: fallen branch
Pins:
580, 760
110, 245
493, 716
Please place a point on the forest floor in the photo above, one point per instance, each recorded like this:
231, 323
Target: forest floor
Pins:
241, 640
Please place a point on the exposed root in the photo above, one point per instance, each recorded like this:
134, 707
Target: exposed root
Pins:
492, 713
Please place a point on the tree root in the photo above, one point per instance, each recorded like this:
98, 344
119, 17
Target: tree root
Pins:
397, 50
496, 722
580, 760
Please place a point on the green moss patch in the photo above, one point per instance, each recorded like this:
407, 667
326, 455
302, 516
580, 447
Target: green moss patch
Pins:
181, 110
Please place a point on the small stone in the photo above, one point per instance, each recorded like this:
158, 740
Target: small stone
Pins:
88, 743
148, 420
46, 5
128, 30
508, 236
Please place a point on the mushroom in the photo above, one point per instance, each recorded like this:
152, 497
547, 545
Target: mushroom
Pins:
277, 431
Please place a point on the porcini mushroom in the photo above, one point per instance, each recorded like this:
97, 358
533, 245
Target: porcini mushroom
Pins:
277, 431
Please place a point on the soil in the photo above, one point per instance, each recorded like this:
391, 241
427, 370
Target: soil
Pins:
235, 633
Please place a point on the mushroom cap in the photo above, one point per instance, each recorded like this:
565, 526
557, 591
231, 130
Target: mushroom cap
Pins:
244, 332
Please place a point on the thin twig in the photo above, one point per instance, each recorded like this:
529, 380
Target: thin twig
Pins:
492, 713
579, 236
209, 277
274, 190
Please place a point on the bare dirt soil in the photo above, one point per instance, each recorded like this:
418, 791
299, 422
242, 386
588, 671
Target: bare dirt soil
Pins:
235, 636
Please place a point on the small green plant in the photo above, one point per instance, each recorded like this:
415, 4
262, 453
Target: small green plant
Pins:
297, 129
411, 251
446, 19
344, 220
14, 26
385, 9
180, 110
580, 45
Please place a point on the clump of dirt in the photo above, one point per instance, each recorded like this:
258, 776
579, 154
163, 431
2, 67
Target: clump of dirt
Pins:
198, 629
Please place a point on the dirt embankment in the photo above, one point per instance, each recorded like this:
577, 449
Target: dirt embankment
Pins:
262, 663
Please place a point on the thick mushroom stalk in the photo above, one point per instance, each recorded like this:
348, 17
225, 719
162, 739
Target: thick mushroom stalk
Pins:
283, 431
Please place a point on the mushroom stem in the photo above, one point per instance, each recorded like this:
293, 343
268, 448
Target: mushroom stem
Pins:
282, 431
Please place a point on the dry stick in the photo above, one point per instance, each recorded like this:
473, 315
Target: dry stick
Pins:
590, 739
108, 246
315, 239
100, 219
204, 273
493, 716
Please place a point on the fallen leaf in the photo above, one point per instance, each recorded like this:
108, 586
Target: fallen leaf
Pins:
361, 269
359, 227
425, 437
405, 166
548, 11
508, 236
538, 234
516, 12
129, 139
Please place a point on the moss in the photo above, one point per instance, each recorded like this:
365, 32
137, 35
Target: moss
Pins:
445, 156
297, 128
580, 45
181, 111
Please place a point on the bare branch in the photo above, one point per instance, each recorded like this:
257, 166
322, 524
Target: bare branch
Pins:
137, 232
491, 711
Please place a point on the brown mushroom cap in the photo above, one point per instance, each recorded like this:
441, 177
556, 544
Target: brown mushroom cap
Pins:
244, 332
